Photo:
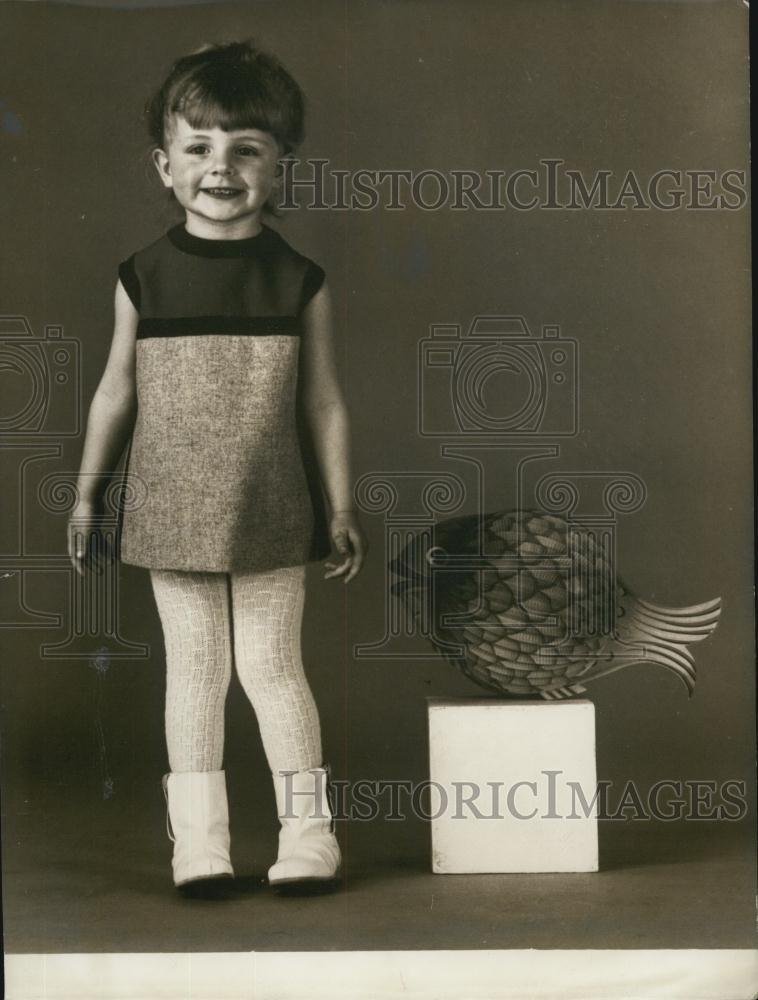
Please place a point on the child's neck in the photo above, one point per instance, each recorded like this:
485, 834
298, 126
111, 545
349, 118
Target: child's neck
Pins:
237, 229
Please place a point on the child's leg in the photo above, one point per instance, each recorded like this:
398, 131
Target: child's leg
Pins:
268, 614
194, 611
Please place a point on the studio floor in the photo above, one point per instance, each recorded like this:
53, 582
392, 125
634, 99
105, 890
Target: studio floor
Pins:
98, 880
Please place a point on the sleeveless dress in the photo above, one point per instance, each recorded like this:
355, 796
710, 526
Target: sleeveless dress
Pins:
221, 473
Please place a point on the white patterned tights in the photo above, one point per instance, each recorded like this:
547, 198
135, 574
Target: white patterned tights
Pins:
259, 616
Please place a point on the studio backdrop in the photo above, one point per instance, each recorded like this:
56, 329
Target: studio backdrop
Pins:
564, 179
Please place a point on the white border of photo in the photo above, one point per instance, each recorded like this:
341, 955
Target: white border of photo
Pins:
597, 974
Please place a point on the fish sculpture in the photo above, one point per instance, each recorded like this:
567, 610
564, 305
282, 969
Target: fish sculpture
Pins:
534, 605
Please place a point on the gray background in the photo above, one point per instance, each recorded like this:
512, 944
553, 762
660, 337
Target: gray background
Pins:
658, 301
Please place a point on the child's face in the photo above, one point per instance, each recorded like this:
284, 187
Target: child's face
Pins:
221, 179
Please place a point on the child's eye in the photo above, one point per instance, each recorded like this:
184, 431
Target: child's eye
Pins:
198, 149
249, 151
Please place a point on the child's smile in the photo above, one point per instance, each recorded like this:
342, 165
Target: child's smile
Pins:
221, 179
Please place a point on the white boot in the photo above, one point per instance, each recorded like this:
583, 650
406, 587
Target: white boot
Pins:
308, 849
199, 815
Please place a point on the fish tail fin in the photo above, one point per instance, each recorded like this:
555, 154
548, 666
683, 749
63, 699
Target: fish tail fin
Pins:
663, 634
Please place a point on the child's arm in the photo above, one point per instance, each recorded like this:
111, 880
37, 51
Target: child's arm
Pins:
110, 422
327, 416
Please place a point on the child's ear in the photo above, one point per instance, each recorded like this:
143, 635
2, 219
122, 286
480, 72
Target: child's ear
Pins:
160, 160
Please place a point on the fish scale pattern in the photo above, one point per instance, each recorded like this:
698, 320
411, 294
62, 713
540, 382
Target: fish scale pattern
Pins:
528, 603
531, 608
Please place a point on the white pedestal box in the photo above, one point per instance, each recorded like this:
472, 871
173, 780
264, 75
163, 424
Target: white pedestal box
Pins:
513, 786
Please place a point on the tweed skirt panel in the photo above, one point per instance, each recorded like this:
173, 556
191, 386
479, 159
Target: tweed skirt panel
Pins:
215, 470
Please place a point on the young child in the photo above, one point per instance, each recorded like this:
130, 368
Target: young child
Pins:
222, 369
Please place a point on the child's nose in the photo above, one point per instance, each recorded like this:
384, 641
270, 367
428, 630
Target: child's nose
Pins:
222, 163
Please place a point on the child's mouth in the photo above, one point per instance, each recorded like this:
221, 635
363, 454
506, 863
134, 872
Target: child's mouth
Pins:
225, 194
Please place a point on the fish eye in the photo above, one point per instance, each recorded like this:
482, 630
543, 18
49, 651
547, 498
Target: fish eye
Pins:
435, 552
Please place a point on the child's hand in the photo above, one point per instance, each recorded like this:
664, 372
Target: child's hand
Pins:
350, 543
87, 547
